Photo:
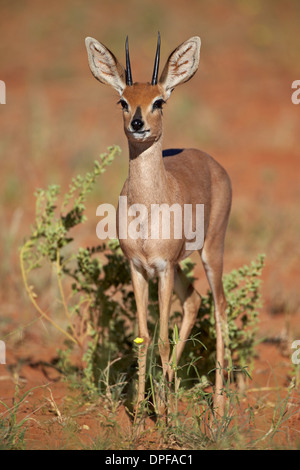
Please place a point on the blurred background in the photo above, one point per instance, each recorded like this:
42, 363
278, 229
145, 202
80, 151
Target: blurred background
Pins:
57, 120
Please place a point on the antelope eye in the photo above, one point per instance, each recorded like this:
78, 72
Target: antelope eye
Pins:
124, 104
158, 104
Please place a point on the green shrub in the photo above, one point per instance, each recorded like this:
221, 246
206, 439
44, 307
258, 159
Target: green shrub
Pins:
96, 296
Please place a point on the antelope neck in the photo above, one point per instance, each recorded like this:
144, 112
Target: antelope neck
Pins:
147, 175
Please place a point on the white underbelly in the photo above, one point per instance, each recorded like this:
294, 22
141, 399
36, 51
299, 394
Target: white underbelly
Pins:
152, 267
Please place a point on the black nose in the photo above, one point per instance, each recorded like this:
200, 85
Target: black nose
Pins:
137, 124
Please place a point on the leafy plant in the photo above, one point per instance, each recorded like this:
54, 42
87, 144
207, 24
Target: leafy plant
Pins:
98, 305
242, 291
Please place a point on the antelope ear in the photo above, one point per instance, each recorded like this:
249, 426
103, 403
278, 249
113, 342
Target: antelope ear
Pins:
104, 65
181, 65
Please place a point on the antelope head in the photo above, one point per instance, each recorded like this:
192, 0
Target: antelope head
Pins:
142, 103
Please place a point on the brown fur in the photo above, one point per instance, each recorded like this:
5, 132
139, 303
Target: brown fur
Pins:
189, 176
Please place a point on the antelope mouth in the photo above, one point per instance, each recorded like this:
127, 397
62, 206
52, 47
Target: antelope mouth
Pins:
140, 134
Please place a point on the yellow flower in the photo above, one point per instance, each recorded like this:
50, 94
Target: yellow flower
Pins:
138, 340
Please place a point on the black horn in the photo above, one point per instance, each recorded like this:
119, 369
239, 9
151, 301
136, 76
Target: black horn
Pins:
156, 63
128, 67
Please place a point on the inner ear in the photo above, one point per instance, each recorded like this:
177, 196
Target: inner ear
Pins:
104, 65
181, 65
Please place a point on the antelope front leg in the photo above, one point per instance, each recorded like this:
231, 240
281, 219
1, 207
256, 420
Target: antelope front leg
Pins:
165, 290
140, 288
190, 300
